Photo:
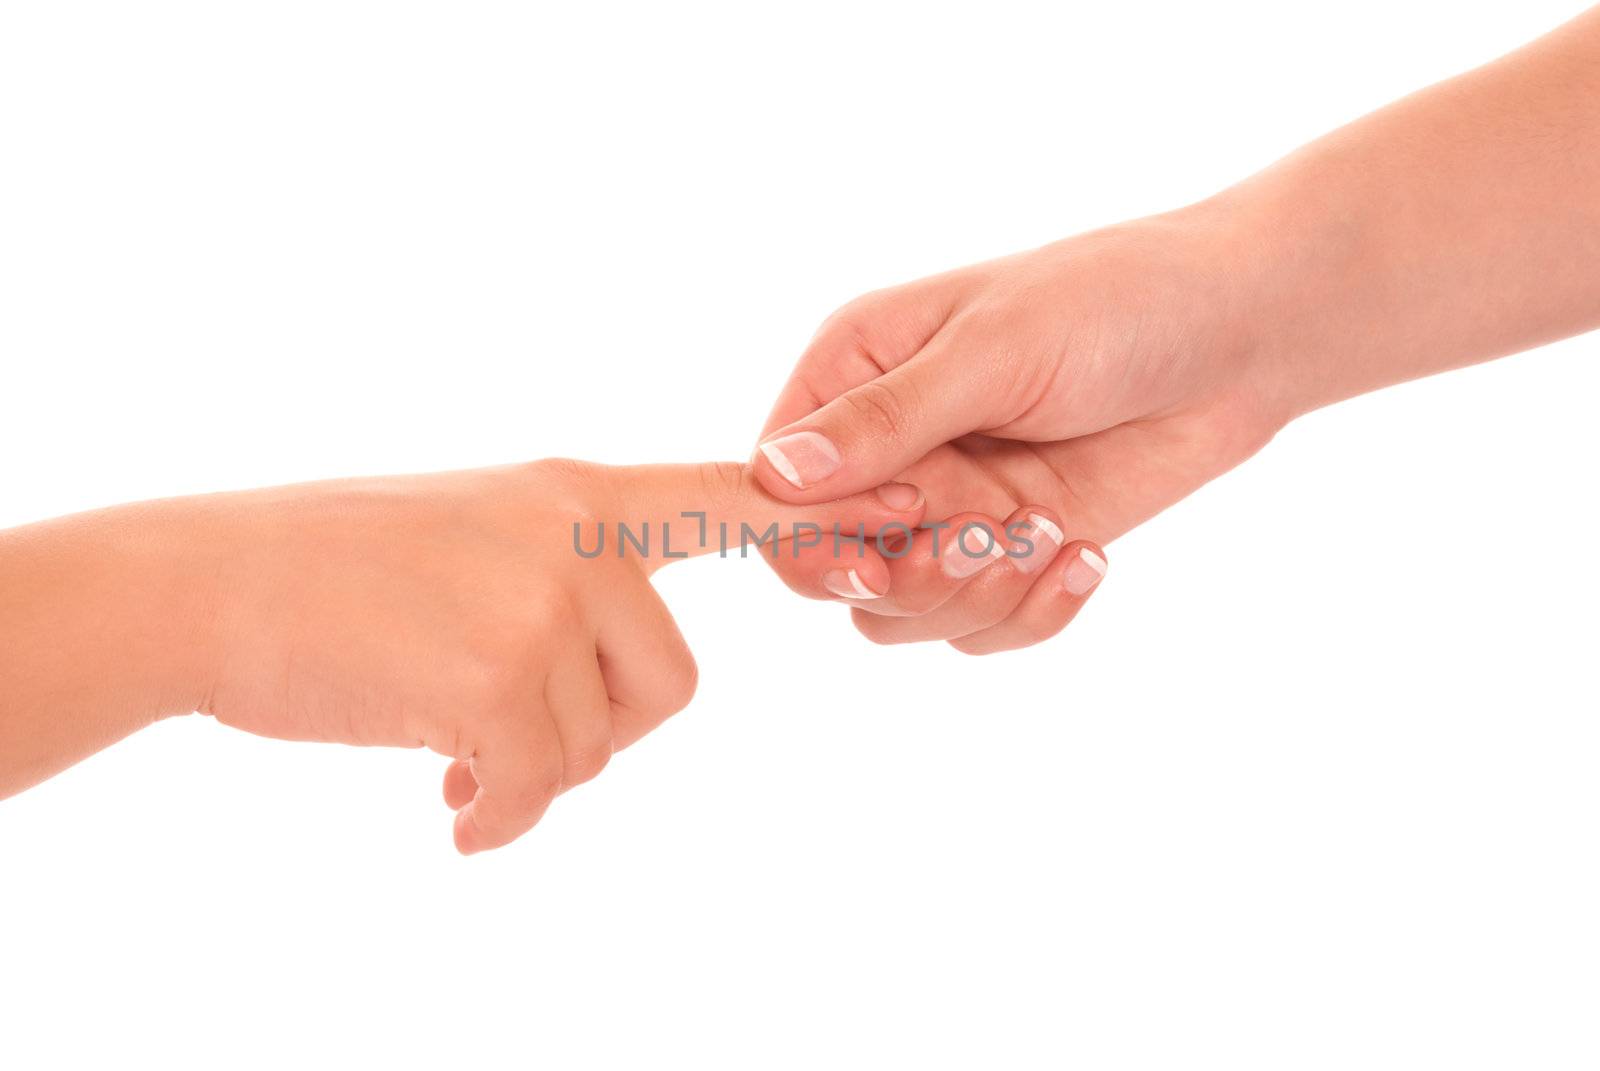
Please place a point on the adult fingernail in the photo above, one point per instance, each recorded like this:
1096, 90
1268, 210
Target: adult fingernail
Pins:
803, 458
974, 548
1083, 572
900, 496
847, 584
1035, 543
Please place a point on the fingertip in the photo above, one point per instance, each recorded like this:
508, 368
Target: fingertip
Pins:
771, 482
1033, 536
806, 468
939, 560
902, 507
972, 544
1085, 569
901, 497
468, 841
485, 823
459, 784
794, 462
858, 583
1055, 594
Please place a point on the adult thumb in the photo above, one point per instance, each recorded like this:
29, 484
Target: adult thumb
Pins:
869, 434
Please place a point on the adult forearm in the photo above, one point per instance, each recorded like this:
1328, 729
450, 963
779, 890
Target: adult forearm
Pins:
1458, 225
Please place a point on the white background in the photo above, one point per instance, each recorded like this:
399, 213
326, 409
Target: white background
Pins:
1311, 783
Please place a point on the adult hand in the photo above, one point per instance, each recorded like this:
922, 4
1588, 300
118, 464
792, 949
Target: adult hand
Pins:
1060, 396
1096, 381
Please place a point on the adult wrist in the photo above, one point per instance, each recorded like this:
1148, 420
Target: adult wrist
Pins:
1230, 294
1322, 282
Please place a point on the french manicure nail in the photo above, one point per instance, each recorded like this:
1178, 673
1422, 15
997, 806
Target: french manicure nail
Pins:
974, 548
900, 496
847, 584
1037, 541
1083, 572
803, 458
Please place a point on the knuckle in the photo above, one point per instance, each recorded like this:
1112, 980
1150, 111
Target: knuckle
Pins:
882, 411
551, 610
990, 611
723, 480
497, 681
584, 763
564, 472
877, 628
450, 739
918, 600
541, 787
1034, 629
1039, 631
850, 325
1030, 631
501, 659
968, 646
543, 615
578, 490
681, 679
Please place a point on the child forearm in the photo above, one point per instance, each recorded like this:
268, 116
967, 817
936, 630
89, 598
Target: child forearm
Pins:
102, 625
475, 613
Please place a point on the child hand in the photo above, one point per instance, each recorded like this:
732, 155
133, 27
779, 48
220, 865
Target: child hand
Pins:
452, 611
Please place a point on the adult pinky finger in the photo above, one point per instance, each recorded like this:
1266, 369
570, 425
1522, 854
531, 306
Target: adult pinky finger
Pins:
1053, 601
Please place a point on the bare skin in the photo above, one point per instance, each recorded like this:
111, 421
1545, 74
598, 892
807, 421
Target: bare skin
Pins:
447, 611
1107, 376
1060, 396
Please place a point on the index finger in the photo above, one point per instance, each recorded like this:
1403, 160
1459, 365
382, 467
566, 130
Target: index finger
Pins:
669, 512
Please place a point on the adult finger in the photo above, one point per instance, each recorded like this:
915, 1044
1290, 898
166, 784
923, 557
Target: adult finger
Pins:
1032, 537
669, 512
858, 343
937, 562
848, 568
1052, 602
871, 433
